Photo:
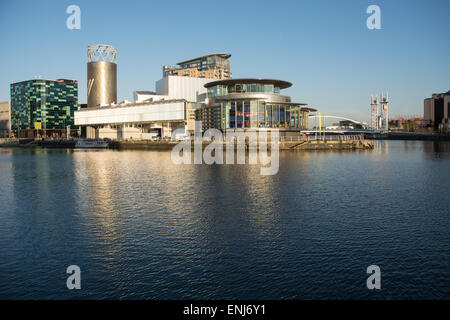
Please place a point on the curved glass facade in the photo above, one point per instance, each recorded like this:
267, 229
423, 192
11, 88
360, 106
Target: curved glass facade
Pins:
254, 103
222, 90
261, 114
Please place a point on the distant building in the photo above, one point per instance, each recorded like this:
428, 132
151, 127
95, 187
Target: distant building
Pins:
436, 110
348, 124
212, 66
403, 123
43, 106
5, 119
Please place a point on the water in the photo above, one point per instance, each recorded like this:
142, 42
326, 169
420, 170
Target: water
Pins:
141, 227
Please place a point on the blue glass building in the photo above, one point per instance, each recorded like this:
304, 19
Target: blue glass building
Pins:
43, 105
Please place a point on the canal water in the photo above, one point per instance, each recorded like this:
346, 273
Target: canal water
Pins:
141, 227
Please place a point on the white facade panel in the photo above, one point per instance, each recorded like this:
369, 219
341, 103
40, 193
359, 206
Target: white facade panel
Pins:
139, 97
139, 113
189, 88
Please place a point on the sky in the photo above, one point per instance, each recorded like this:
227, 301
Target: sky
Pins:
323, 47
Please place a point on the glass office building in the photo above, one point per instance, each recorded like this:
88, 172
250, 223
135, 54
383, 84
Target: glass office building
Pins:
255, 103
43, 104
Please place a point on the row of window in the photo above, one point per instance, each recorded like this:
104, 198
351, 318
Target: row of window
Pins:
258, 114
221, 90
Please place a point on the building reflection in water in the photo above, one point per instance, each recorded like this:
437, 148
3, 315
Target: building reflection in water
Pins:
98, 176
142, 227
436, 146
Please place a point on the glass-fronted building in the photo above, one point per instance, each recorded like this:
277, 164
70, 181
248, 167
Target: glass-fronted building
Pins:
43, 104
254, 103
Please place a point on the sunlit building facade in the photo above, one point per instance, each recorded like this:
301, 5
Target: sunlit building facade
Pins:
437, 109
211, 66
5, 119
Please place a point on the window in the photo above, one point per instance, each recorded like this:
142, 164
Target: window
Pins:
276, 116
239, 114
268, 116
232, 115
247, 114
261, 115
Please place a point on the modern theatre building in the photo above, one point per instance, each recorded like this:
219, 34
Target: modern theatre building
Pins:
199, 89
252, 103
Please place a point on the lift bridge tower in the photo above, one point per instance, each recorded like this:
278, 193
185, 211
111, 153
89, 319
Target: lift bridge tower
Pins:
384, 103
374, 112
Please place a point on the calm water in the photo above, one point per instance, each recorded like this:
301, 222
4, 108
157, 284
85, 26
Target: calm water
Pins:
140, 227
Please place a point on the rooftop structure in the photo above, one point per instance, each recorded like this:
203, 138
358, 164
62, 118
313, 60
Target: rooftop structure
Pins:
140, 96
242, 82
211, 66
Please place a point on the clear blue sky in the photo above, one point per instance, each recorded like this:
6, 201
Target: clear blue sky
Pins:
323, 47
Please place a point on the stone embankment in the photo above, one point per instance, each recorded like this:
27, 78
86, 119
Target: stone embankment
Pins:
168, 145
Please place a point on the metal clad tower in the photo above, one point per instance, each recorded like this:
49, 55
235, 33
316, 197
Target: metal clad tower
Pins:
101, 75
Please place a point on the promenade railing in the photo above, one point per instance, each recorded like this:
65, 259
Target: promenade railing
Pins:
347, 137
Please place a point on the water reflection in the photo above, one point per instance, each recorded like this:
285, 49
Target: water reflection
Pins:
436, 146
143, 227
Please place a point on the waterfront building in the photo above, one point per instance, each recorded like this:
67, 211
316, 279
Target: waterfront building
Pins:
436, 110
138, 120
172, 105
212, 66
181, 98
5, 119
253, 104
43, 107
